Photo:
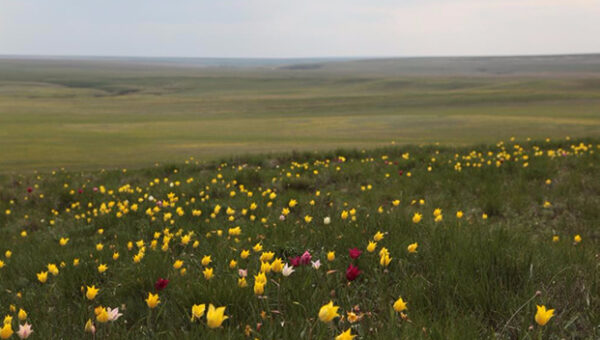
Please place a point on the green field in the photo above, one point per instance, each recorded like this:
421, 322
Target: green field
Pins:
95, 113
215, 173
527, 235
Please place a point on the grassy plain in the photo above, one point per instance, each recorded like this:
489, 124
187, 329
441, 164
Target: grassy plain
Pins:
131, 113
470, 278
504, 226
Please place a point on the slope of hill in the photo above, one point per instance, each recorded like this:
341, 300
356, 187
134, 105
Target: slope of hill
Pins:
413, 242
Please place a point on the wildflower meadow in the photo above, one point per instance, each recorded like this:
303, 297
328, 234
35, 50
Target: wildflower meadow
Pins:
493, 241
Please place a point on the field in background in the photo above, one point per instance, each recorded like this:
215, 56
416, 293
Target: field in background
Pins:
91, 113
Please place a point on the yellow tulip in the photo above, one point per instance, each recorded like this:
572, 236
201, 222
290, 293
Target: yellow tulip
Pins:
153, 300
42, 277
177, 264
542, 316
198, 311
22, 314
91, 292
102, 316
102, 268
328, 312
208, 273
331, 256
259, 288
265, 267
89, 327
417, 218
352, 317
399, 305
215, 316
53, 269
346, 335
232, 264
277, 265
261, 277
385, 260
6, 331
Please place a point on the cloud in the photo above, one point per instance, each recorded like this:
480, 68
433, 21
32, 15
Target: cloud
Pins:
275, 28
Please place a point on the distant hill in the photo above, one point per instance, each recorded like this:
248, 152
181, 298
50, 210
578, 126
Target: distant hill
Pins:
544, 65
183, 61
472, 66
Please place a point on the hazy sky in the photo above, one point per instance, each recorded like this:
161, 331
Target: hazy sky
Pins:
301, 28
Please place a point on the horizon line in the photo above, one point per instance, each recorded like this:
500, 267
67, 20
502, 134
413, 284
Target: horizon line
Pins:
66, 56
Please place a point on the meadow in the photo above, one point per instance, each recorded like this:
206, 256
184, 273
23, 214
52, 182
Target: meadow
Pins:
420, 198
427, 242
106, 113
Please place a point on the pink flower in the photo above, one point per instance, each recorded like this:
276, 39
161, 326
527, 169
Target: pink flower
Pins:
316, 264
24, 331
305, 258
113, 314
354, 253
243, 272
352, 272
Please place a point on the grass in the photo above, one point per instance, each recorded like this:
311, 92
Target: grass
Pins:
87, 114
470, 277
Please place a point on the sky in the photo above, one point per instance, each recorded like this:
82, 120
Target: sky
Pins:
297, 29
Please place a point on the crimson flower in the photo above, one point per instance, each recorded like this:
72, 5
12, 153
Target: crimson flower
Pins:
295, 261
161, 284
354, 253
352, 272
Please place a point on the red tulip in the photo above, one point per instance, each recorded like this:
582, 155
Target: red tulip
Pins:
354, 253
352, 272
161, 284
295, 261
